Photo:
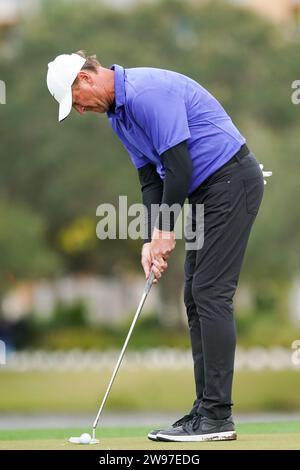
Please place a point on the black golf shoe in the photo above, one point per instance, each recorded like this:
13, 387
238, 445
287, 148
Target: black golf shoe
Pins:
199, 429
153, 435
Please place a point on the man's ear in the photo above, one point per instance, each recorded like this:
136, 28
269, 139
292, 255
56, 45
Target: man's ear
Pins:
84, 76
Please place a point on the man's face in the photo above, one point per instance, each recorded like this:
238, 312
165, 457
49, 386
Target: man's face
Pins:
88, 94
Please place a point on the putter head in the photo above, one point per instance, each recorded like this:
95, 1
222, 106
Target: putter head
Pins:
94, 441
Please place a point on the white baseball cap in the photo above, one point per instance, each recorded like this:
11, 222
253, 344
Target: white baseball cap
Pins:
61, 75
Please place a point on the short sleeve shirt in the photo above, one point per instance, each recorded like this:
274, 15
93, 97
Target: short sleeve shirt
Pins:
156, 109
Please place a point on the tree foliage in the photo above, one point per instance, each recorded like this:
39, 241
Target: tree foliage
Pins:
61, 172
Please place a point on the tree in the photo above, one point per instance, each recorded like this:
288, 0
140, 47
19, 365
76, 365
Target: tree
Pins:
63, 172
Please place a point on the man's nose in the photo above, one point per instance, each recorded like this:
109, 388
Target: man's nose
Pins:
79, 109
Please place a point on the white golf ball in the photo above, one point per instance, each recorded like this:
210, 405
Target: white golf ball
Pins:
85, 438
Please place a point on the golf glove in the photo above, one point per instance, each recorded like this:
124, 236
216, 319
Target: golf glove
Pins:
266, 174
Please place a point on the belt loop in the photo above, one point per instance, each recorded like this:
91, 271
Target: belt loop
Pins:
241, 153
238, 158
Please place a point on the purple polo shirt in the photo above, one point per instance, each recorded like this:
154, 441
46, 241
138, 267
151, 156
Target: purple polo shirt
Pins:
157, 109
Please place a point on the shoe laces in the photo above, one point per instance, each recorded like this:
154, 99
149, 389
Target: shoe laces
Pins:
192, 424
183, 420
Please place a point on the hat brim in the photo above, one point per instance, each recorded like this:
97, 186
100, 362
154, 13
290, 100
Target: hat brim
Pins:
65, 106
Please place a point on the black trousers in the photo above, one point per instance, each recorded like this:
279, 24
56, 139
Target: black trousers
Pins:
231, 199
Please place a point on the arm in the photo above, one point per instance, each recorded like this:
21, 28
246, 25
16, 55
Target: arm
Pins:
178, 170
162, 115
152, 191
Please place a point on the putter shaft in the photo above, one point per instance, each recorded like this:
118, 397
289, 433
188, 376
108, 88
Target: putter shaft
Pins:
137, 314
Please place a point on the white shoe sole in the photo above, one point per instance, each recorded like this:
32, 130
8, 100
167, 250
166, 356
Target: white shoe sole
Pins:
152, 437
217, 436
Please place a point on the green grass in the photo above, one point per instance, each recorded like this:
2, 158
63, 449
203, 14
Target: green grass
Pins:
139, 390
285, 435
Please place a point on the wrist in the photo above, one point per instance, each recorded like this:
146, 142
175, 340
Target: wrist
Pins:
162, 234
146, 248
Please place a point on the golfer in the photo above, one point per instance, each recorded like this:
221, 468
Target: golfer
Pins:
183, 145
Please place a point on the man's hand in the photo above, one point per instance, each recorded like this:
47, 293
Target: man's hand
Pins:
155, 254
162, 244
146, 259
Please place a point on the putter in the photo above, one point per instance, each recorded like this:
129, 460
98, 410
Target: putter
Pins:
86, 438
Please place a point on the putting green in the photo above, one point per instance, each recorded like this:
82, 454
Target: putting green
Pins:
268, 436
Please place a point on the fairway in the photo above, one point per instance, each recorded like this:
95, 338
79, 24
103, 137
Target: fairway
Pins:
265, 436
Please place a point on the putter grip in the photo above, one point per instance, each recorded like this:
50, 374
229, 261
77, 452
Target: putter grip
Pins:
149, 282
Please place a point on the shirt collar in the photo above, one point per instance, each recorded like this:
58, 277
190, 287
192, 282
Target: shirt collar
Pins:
119, 89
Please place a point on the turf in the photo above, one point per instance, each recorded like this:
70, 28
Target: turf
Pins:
269, 436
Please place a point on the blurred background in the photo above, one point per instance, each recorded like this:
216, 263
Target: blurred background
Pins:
67, 298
